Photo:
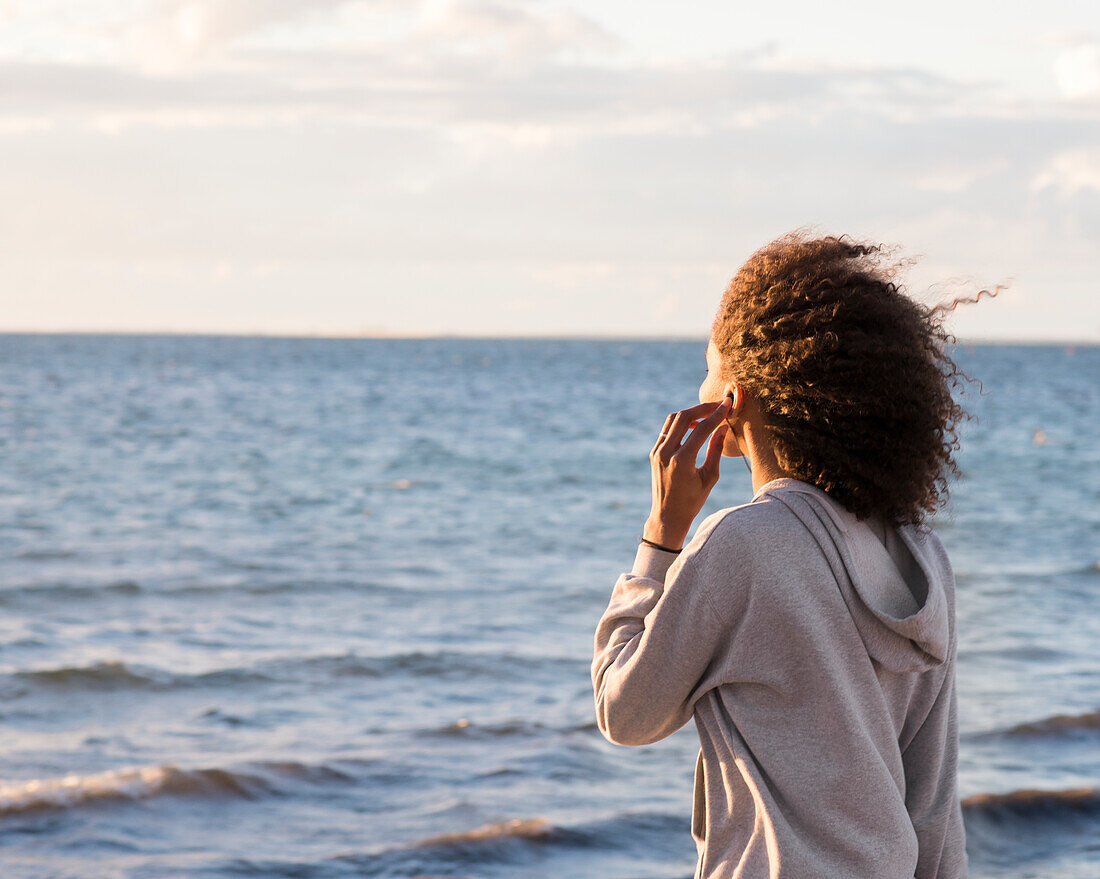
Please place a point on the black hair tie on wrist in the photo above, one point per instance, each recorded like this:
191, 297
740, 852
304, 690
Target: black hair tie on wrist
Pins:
658, 546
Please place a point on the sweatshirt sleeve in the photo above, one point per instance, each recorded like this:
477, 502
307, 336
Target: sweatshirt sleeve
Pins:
654, 645
931, 790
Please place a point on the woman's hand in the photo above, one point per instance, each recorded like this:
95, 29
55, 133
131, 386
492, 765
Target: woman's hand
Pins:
679, 487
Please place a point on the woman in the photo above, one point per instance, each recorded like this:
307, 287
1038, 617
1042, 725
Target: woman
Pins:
810, 632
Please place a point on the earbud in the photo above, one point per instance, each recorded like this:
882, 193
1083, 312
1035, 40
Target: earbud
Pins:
733, 407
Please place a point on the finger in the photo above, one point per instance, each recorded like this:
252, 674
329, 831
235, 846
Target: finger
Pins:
683, 418
706, 427
663, 434
709, 471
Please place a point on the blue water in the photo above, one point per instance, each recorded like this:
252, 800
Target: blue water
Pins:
324, 608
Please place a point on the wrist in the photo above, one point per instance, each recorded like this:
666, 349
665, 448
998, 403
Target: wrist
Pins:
659, 532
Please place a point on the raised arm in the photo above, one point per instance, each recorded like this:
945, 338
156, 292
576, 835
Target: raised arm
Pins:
657, 637
657, 643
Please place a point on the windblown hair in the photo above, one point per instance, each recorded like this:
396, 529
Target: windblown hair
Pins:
853, 377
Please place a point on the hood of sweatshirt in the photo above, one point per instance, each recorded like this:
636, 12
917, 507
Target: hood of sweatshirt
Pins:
891, 582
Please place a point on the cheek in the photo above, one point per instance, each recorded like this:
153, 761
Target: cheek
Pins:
708, 393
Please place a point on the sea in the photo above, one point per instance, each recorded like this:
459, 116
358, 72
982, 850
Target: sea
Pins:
302, 607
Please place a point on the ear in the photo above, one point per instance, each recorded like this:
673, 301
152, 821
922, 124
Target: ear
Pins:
738, 394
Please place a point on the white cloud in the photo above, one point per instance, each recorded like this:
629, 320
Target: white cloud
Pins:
511, 33
177, 33
1070, 171
1077, 70
24, 124
954, 176
532, 105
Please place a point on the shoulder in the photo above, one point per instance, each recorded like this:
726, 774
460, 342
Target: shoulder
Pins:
764, 528
753, 562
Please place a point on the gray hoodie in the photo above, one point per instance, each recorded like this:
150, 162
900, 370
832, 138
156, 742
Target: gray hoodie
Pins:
816, 653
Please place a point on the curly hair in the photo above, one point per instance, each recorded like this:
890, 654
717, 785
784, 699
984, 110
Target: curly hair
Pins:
852, 376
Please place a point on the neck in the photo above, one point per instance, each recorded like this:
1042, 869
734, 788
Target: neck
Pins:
762, 458
762, 475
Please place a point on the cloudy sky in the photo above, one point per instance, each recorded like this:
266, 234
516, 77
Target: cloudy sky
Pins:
534, 167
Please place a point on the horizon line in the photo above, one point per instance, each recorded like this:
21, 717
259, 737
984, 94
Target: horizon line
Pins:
580, 337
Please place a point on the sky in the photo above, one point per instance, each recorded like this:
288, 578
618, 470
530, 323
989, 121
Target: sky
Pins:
535, 167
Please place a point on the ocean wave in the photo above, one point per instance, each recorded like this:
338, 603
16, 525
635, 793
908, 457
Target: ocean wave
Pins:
502, 848
43, 555
124, 784
442, 664
142, 782
61, 591
1059, 724
1029, 804
108, 675
113, 675
530, 828
1018, 653
464, 728
518, 840
68, 591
